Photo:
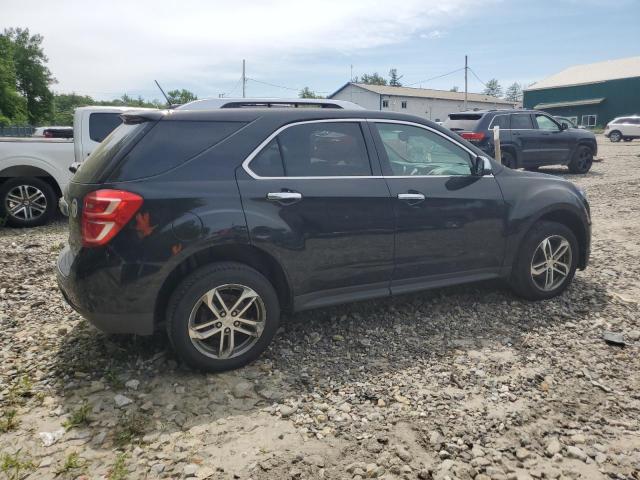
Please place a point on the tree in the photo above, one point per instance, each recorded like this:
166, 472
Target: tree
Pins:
178, 97
306, 92
454, 89
513, 92
373, 79
394, 79
13, 107
64, 106
493, 88
32, 74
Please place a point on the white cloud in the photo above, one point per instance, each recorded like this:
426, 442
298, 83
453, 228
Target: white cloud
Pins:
433, 34
111, 47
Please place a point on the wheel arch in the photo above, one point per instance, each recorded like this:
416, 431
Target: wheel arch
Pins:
571, 220
249, 255
31, 171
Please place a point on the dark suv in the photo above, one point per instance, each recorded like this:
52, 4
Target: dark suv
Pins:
211, 223
528, 138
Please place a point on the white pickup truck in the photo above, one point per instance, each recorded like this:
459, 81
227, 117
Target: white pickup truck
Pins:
34, 171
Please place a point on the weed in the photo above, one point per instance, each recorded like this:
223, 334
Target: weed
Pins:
78, 417
13, 466
113, 379
72, 462
21, 389
8, 421
129, 428
119, 470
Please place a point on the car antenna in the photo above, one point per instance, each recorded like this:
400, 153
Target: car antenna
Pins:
164, 94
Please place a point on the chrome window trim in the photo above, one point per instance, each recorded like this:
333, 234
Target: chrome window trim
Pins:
259, 148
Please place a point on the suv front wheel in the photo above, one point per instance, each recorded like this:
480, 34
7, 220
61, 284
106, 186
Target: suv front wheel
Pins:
222, 316
546, 262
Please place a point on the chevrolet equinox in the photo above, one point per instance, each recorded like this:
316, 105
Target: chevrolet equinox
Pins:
210, 223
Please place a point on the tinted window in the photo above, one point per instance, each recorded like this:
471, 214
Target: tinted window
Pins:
545, 123
117, 141
501, 121
321, 149
169, 144
521, 121
268, 163
634, 121
416, 151
462, 121
102, 124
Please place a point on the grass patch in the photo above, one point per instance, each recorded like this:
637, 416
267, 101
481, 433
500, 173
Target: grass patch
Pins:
14, 467
71, 463
119, 470
78, 417
130, 427
9, 421
113, 379
20, 390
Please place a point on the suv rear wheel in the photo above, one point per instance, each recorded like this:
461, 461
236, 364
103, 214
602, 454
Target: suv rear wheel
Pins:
27, 202
508, 160
582, 160
546, 261
222, 316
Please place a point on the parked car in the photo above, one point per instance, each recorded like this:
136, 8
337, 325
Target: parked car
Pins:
229, 102
567, 122
53, 132
528, 138
623, 128
209, 224
35, 170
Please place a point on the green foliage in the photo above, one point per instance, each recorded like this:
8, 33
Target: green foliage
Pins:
14, 467
119, 470
130, 426
371, 79
394, 79
78, 417
493, 88
72, 462
178, 97
20, 390
8, 421
13, 107
306, 92
513, 92
455, 88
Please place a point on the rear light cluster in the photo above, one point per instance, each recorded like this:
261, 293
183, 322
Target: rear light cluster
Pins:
472, 136
104, 213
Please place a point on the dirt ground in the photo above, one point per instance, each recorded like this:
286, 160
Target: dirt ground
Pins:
460, 383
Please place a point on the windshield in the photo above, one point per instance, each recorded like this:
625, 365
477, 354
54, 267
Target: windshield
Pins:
462, 121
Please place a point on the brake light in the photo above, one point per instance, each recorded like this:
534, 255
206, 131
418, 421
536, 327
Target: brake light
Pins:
47, 134
104, 213
473, 136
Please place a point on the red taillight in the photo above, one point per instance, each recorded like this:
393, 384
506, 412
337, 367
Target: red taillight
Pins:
104, 213
48, 134
472, 136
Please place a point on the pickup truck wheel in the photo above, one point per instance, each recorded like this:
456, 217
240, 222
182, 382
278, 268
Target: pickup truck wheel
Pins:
582, 160
615, 136
222, 316
27, 202
546, 261
508, 160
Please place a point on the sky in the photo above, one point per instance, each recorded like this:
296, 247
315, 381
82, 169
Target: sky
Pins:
109, 48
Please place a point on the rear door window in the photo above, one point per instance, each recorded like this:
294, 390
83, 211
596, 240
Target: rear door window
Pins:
521, 121
102, 124
169, 144
501, 121
463, 121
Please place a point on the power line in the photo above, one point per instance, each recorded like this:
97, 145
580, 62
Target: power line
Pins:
274, 85
436, 77
477, 77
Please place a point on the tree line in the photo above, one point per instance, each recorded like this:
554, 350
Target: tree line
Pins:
26, 97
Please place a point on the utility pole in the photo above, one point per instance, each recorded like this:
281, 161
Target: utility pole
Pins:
351, 77
465, 82
244, 80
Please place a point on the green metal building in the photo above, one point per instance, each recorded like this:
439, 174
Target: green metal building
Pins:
591, 95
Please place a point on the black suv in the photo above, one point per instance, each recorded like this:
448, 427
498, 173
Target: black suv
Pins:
528, 138
211, 223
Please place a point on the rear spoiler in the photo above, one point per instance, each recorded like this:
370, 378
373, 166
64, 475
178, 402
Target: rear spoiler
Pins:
132, 117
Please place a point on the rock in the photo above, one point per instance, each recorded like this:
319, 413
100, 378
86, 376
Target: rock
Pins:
345, 407
435, 438
575, 452
477, 451
287, 410
122, 401
45, 462
600, 458
49, 438
633, 335
242, 389
96, 387
522, 454
403, 454
554, 446
338, 338
205, 472
316, 460
132, 384
190, 470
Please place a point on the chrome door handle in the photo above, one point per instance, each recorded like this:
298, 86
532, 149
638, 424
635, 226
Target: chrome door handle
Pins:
411, 197
284, 196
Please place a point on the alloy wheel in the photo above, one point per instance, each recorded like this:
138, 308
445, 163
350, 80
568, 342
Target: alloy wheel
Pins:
551, 263
25, 202
615, 137
227, 321
584, 159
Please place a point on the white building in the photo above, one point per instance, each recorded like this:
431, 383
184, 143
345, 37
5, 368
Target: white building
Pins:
428, 103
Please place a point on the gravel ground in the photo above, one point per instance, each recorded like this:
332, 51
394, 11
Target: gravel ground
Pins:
466, 382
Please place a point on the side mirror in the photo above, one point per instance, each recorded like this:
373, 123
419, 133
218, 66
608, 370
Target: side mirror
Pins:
480, 166
564, 126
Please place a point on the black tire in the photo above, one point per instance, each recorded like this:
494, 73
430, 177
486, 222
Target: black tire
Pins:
508, 159
582, 160
187, 296
532, 169
627, 139
41, 207
522, 279
615, 136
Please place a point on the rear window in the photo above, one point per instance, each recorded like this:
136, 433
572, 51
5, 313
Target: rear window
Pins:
102, 124
115, 142
169, 144
521, 121
463, 121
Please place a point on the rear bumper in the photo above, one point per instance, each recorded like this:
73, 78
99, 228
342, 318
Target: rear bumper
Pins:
98, 297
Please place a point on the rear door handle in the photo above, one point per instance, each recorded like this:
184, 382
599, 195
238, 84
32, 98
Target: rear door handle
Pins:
411, 197
287, 197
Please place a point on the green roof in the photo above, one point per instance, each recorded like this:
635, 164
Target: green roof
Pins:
589, 101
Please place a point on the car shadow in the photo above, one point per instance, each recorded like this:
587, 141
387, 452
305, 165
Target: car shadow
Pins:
319, 351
